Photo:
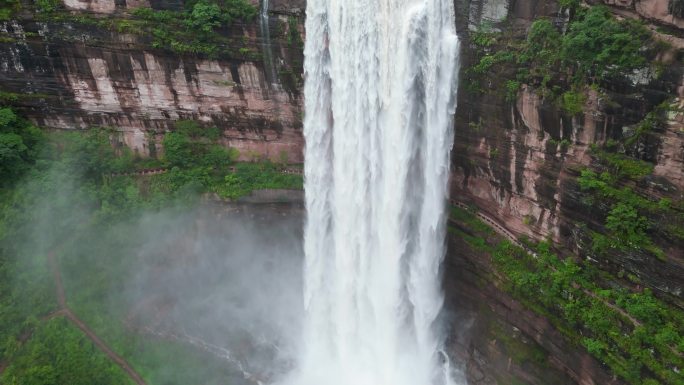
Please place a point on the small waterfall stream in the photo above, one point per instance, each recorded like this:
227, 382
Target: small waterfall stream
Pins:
380, 96
267, 49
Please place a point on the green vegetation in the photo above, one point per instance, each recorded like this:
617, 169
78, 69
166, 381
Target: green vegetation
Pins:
573, 102
474, 232
194, 30
198, 29
58, 353
9, 97
638, 336
596, 48
18, 146
48, 5
520, 350
291, 76
198, 162
626, 223
652, 123
632, 219
635, 334
67, 195
8, 8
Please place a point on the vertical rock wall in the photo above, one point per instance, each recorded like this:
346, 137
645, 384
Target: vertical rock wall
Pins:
517, 161
72, 75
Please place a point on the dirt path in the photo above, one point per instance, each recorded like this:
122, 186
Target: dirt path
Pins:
64, 310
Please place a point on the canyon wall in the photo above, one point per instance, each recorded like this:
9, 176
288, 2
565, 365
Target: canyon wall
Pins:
517, 159
70, 70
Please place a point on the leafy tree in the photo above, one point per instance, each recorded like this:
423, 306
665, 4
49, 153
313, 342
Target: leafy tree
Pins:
628, 226
91, 153
599, 46
192, 145
19, 142
177, 149
205, 15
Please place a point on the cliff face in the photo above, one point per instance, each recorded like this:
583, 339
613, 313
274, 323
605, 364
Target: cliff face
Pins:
69, 72
517, 160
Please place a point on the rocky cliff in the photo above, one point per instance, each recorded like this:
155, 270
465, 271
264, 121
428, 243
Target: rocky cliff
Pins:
521, 159
95, 63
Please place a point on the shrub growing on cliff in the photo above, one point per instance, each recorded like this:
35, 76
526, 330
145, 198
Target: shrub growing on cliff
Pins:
676, 8
205, 16
197, 28
573, 102
541, 52
8, 8
48, 5
638, 336
230, 9
598, 46
194, 146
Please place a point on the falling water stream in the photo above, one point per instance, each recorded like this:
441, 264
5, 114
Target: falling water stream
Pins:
380, 97
267, 49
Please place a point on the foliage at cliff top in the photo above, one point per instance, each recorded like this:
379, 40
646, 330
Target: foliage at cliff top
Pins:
596, 47
194, 30
198, 29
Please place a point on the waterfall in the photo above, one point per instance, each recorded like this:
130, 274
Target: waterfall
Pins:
380, 96
267, 49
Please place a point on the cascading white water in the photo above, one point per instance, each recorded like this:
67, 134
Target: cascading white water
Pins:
267, 49
380, 96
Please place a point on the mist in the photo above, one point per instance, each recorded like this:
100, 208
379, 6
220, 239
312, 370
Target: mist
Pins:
186, 289
223, 279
